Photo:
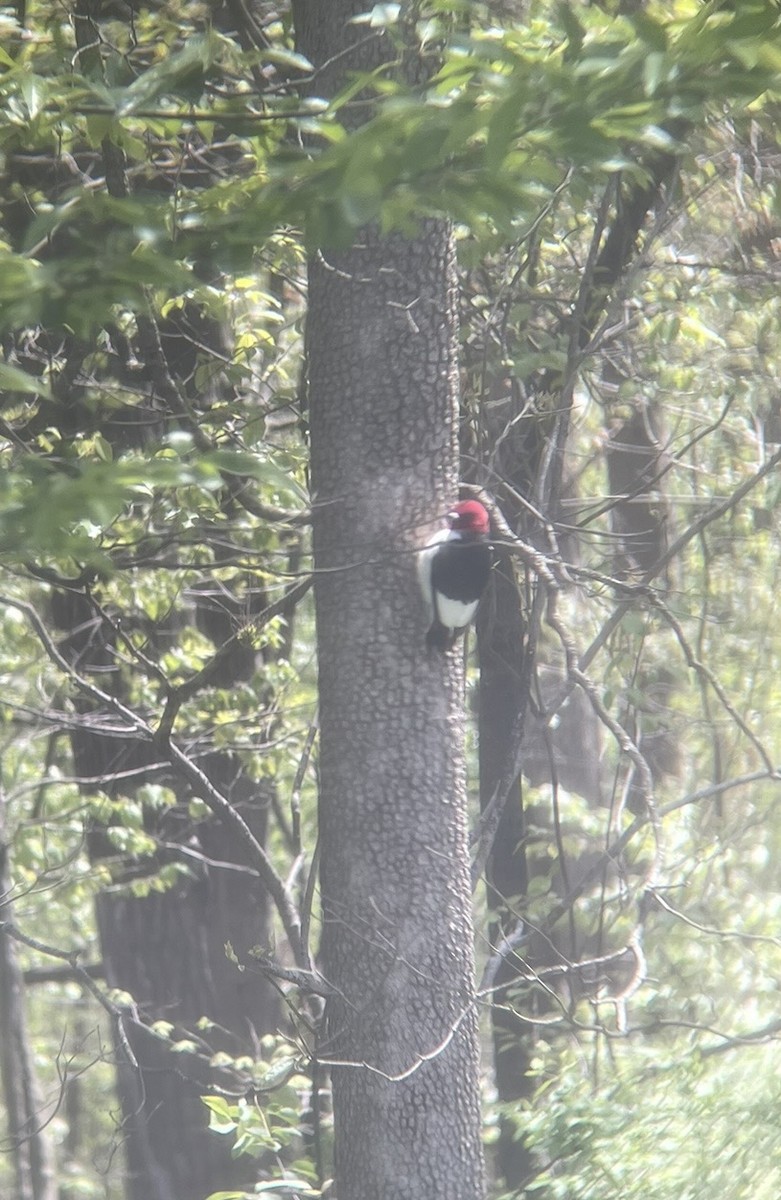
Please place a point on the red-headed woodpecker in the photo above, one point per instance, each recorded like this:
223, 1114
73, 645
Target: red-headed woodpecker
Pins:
453, 570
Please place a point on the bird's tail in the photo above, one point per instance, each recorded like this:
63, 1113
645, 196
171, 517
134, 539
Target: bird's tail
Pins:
440, 638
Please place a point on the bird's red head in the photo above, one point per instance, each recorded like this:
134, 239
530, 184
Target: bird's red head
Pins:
469, 516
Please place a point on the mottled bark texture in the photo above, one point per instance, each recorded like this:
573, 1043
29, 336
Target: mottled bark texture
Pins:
397, 938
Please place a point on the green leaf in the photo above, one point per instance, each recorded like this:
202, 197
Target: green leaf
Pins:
223, 1116
14, 379
282, 1186
572, 27
32, 89
181, 73
278, 1073
235, 462
380, 16
287, 58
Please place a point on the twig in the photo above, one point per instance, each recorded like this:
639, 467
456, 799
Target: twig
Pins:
198, 780
83, 976
295, 797
177, 696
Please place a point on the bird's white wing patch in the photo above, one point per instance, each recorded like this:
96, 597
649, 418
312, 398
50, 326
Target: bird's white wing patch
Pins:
455, 614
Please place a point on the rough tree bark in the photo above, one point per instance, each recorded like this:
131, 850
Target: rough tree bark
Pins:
400, 1032
397, 939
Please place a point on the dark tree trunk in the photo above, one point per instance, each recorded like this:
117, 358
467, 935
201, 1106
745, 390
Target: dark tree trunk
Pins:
503, 701
166, 949
515, 441
636, 465
28, 1140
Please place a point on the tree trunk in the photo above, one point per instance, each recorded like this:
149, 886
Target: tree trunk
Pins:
167, 949
401, 1027
503, 699
516, 431
30, 1147
397, 938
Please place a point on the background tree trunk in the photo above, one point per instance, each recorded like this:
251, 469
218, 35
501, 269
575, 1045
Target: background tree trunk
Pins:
166, 949
517, 429
168, 952
28, 1139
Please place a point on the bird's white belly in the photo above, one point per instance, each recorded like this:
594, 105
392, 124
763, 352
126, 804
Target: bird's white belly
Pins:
455, 614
